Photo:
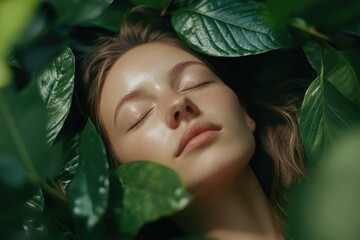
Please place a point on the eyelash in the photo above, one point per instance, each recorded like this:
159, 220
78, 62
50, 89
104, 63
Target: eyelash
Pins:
198, 86
141, 121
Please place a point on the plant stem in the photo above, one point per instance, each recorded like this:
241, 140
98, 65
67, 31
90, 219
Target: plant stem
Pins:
302, 25
164, 11
54, 193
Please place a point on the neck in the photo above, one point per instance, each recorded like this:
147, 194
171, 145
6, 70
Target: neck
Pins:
239, 210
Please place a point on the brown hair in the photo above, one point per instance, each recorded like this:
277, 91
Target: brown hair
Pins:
279, 160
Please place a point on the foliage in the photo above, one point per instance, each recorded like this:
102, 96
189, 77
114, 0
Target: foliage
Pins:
54, 173
327, 205
228, 28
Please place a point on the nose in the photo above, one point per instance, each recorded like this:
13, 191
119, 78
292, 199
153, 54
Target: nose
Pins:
181, 108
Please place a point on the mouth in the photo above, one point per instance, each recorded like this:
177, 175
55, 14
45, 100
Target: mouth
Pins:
197, 135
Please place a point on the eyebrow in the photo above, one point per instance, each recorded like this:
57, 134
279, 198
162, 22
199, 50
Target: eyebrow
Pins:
123, 100
175, 70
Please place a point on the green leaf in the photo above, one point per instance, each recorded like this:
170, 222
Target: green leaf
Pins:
327, 206
35, 207
14, 184
56, 86
78, 11
331, 14
335, 68
12, 172
71, 161
11, 27
228, 28
22, 125
320, 13
281, 11
5, 75
326, 111
352, 55
110, 18
88, 191
150, 191
11, 220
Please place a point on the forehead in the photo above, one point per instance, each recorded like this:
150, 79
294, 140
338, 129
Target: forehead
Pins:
144, 57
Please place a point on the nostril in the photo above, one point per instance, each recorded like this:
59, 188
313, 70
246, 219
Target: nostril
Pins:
176, 115
189, 109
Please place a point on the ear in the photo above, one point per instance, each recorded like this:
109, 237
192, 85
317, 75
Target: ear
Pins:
249, 121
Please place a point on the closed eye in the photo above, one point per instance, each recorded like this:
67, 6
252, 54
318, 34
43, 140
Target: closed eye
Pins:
140, 122
198, 86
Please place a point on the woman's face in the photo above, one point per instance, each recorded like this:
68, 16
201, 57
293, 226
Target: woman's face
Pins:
163, 104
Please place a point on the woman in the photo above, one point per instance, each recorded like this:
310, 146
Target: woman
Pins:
154, 99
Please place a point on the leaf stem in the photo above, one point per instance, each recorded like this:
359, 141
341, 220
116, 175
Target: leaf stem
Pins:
322, 62
164, 11
302, 25
54, 193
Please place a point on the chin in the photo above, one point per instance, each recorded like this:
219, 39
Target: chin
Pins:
213, 171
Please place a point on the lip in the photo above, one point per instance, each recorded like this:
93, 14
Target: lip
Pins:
197, 135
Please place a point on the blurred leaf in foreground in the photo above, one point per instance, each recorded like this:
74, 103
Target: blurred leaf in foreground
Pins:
78, 11
22, 124
26, 159
111, 17
11, 27
328, 206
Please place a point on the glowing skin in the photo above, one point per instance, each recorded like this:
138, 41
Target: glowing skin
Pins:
161, 103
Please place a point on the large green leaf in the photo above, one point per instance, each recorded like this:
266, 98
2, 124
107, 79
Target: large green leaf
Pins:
22, 126
12, 172
88, 191
5, 75
12, 27
79, 11
327, 207
149, 191
335, 68
326, 110
56, 86
228, 28
14, 184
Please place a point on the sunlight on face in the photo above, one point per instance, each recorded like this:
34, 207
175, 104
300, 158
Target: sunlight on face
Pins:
161, 103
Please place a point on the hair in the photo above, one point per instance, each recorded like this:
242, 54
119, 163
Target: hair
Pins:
279, 160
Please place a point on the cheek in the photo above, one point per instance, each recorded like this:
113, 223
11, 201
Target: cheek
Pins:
225, 101
147, 143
